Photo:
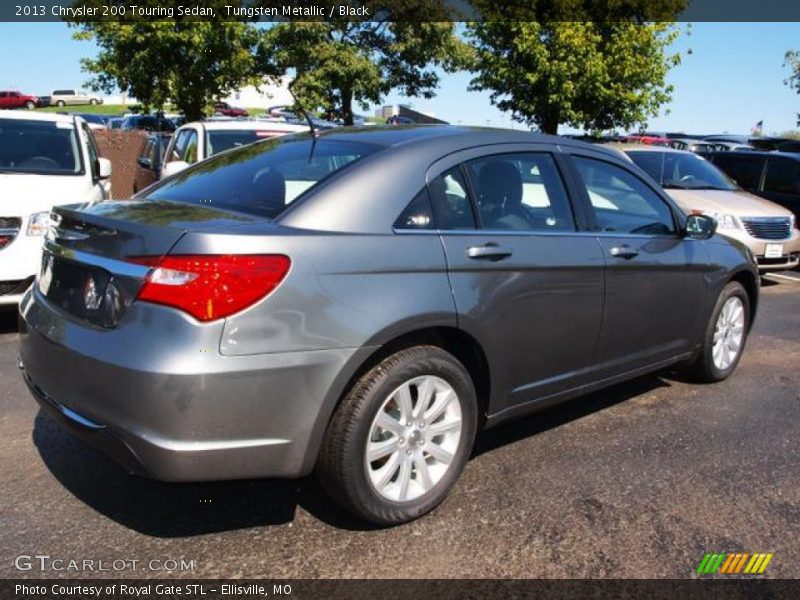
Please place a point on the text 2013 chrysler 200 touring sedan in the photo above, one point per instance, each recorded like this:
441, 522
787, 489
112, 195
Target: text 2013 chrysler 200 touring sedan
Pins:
363, 302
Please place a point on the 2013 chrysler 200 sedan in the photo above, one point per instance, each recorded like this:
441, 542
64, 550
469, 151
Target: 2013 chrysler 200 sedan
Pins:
363, 302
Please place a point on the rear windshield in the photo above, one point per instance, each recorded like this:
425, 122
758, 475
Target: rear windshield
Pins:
262, 179
40, 147
219, 141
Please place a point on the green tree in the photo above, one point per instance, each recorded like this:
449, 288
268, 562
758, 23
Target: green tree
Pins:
549, 68
188, 63
335, 64
792, 60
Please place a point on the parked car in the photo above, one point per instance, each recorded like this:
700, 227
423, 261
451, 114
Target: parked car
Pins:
199, 140
693, 145
426, 281
13, 99
748, 141
73, 97
46, 160
147, 123
398, 120
725, 146
769, 230
149, 163
223, 108
771, 175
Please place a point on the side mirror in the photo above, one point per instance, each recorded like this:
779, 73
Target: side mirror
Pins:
171, 168
145, 162
700, 227
103, 168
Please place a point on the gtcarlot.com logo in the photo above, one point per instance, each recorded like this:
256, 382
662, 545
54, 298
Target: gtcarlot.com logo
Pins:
734, 563
45, 562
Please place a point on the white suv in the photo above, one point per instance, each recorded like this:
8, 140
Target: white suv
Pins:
45, 160
197, 141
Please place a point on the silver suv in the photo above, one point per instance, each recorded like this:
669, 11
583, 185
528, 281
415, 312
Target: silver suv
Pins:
363, 302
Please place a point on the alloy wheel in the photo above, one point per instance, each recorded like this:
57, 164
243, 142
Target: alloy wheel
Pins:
728, 333
413, 439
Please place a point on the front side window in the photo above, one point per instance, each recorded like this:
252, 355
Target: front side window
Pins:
262, 179
783, 176
179, 147
41, 147
622, 202
94, 165
189, 154
520, 192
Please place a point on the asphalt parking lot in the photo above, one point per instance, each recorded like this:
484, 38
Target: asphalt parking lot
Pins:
639, 480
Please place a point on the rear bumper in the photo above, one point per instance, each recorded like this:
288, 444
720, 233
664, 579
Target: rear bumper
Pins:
160, 415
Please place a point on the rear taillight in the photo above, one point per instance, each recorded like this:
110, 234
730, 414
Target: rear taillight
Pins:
210, 287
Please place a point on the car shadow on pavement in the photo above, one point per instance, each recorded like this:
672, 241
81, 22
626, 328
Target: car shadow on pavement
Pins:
187, 509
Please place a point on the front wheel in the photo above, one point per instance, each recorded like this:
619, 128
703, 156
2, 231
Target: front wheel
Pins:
725, 335
401, 437
30, 105
92, 102
60, 103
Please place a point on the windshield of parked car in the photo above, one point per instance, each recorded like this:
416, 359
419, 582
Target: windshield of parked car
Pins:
40, 147
262, 179
221, 140
676, 170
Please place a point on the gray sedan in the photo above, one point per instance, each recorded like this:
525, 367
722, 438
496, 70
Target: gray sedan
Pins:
363, 302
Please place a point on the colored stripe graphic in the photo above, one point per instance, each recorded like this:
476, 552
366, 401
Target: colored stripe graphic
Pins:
733, 563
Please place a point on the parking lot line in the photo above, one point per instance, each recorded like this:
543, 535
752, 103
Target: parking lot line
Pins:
786, 277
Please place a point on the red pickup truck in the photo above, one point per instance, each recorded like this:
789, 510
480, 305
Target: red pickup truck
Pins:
10, 99
223, 108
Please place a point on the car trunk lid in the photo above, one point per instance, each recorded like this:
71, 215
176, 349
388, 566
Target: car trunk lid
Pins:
87, 269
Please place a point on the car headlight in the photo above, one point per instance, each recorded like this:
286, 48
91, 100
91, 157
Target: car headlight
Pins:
723, 221
38, 223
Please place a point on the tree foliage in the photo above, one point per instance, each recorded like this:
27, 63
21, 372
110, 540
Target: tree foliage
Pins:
338, 63
188, 63
792, 60
591, 66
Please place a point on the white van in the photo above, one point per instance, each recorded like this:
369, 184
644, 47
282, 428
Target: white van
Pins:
45, 160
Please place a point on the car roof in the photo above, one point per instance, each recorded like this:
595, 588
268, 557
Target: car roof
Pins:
247, 125
448, 137
760, 153
29, 115
646, 148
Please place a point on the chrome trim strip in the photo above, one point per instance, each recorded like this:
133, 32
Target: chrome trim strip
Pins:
116, 267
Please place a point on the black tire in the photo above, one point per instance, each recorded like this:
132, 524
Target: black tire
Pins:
341, 466
30, 105
92, 102
702, 368
60, 103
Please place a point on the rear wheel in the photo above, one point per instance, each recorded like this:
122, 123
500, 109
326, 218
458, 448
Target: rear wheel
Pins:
401, 437
60, 103
725, 335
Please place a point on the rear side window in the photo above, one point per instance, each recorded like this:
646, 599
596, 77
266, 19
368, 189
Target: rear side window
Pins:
783, 176
262, 179
418, 214
451, 203
520, 192
744, 170
622, 202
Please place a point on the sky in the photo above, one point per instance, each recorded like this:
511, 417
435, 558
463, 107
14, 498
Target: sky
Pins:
732, 78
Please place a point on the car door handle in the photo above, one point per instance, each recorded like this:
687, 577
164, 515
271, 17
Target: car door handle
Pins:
624, 251
490, 251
